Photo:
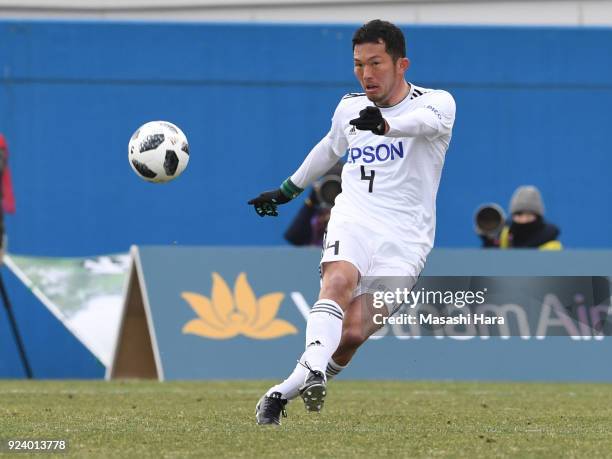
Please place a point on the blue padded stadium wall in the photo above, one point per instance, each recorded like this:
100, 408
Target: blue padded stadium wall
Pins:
532, 107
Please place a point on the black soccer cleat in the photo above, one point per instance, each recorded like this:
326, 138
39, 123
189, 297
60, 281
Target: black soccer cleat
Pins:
313, 391
269, 409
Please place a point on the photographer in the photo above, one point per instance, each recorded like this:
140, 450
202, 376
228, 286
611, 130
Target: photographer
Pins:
7, 198
527, 227
309, 225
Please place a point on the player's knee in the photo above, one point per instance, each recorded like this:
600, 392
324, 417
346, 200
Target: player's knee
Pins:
337, 286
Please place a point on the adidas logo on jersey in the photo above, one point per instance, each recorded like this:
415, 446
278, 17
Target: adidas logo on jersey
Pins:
353, 131
379, 153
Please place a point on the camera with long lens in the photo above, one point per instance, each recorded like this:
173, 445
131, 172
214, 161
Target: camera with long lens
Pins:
328, 187
489, 220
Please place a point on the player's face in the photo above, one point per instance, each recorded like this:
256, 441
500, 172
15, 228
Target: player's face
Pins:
380, 77
523, 218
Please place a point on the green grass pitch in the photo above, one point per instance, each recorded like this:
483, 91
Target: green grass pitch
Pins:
361, 418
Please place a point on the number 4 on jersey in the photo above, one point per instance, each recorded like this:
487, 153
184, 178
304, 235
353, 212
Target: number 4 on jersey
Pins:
370, 177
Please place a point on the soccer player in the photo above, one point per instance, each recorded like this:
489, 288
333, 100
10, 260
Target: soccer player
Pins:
395, 136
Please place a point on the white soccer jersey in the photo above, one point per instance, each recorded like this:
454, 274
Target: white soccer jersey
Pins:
389, 183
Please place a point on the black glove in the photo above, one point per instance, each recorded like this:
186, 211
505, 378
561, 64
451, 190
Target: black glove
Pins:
370, 119
267, 202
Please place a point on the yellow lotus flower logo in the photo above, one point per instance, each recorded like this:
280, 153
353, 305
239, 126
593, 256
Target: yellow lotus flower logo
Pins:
225, 315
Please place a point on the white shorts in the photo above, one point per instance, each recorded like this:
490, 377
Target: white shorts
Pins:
383, 262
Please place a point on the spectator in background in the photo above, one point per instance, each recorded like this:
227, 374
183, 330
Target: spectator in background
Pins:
527, 227
6, 192
309, 225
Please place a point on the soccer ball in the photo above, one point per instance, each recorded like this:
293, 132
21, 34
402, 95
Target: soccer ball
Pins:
158, 151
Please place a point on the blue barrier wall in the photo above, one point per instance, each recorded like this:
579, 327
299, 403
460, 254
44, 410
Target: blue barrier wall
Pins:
532, 108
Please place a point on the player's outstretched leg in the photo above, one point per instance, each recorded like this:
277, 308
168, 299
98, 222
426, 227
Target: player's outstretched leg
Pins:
324, 329
358, 326
323, 332
270, 408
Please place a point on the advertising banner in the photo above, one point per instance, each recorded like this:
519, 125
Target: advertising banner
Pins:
218, 313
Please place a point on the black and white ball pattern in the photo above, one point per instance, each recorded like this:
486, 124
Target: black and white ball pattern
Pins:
158, 151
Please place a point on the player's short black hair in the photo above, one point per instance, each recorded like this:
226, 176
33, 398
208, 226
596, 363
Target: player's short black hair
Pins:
377, 30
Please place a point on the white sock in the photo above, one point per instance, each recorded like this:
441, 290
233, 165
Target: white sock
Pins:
323, 333
333, 368
289, 387
325, 326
